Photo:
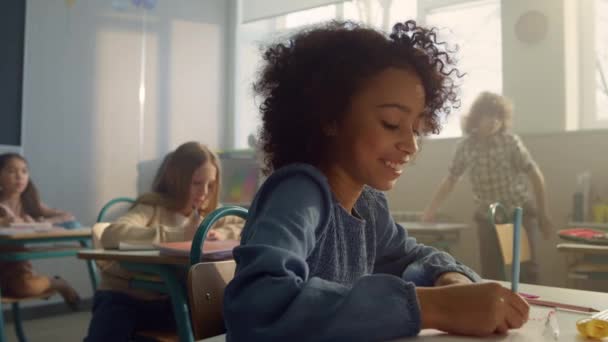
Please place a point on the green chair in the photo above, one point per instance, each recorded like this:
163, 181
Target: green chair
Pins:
208, 222
14, 302
98, 228
207, 280
104, 210
97, 231
504, 235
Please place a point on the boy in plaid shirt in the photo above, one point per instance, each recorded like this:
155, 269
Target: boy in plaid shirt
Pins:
500, 169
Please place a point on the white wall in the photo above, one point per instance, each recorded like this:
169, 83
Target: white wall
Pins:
80, 97
551, 82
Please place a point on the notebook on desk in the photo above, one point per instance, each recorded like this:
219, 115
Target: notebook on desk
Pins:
32, 225
134, 246
26, 228
212, 250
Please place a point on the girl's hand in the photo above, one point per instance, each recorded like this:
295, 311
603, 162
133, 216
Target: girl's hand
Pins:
212, 235
475, 309
452, 278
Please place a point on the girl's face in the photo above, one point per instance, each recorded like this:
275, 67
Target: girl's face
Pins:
14, 177
378, 135
202, 185
488, 125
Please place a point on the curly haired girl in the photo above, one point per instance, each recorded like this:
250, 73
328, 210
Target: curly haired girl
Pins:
320, 257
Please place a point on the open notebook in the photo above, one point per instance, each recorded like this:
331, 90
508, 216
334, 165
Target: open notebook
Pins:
536, 329
212, 250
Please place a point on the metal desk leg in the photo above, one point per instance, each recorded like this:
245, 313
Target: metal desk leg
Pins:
177, 292
17, 322
2, 336
93, 275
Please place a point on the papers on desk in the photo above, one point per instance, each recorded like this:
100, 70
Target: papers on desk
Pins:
134, 246
537, 329
28, 228
212, 250
32, 225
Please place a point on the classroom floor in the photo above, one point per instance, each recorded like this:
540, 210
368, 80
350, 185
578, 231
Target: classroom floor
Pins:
69, 327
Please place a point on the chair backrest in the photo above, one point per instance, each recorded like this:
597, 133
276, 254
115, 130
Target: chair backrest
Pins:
208, 222
504, 235
111, 210
206, 284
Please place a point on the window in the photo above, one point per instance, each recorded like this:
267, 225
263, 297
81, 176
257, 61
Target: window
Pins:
250, 37
480, 53
309, 17
475, 26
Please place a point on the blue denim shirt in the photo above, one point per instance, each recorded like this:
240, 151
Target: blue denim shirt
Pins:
307, 270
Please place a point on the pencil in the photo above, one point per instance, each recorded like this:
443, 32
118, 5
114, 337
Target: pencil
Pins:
560, 305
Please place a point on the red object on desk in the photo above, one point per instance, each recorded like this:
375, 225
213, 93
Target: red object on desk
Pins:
528, 296
584, 235
212, 250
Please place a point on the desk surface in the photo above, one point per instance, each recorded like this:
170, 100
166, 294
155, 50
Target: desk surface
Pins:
54, 233
573, 224
144, 257
565, 319
415, 227
582, 248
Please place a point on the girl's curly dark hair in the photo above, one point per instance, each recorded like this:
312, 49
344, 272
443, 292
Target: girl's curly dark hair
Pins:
310, 79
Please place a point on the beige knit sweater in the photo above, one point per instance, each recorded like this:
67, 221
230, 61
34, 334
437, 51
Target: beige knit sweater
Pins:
147, 224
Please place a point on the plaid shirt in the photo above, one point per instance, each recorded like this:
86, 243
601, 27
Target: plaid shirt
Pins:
499, 167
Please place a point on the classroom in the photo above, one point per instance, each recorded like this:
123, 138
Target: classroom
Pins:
97, 95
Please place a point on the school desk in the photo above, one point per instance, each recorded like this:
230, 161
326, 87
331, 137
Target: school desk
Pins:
585, 261
594, 225
45, 248
440, 235
167, 268
566, 319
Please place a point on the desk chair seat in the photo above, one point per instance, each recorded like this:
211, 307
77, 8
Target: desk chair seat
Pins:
46, 295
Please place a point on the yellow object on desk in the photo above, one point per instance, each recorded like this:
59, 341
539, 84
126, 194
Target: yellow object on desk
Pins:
595, 326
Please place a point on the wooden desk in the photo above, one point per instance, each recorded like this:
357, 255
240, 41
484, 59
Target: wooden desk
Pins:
565, 319
585, 262
592, 225
582, 248
440, 235
143, 257
162, 266
50, 235
28, 238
